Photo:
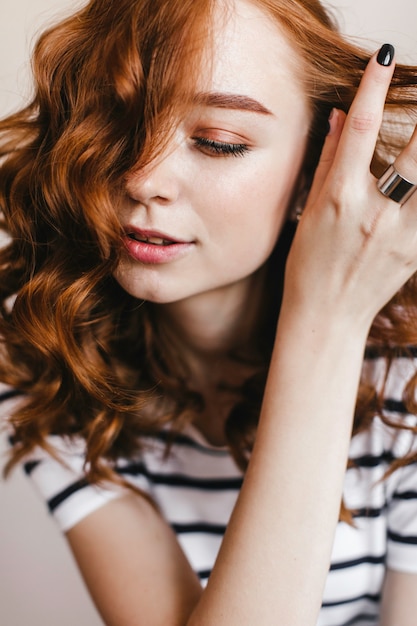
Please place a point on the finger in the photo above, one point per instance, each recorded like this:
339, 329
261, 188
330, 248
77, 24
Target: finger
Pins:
406, 165
406, 162
336, 122
360, 133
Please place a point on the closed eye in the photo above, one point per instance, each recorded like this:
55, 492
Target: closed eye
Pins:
220, 148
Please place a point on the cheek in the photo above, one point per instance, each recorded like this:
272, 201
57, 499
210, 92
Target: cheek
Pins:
245, 200
247, 225
257, 208
261, 195
277, 179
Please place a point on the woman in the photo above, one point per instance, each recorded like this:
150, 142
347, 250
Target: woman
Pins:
147, 190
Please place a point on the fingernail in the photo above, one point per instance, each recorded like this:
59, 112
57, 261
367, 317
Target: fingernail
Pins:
386, 55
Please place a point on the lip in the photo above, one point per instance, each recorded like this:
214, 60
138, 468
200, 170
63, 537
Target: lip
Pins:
152, 253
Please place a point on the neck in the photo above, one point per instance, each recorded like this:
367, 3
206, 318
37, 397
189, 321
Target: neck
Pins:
214, 323
205, 330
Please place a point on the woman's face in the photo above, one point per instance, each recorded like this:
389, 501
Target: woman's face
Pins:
207, 214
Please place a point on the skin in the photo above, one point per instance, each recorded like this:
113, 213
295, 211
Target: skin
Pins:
227, 205
352, 251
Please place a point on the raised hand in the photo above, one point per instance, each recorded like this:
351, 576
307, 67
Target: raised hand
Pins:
355, 247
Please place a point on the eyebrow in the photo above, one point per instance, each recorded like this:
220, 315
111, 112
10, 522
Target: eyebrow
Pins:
231, 101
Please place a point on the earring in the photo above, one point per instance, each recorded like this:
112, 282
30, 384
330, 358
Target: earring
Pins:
296, 213
299, 200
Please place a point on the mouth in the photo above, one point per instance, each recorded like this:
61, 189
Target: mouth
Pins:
156, 241
151, 237
151, 247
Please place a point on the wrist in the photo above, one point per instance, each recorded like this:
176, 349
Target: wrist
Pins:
320, 354
324, 324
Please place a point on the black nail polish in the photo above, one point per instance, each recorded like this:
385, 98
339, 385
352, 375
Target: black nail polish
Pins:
386, 55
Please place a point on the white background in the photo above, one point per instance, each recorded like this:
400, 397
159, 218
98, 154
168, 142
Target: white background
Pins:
39, 583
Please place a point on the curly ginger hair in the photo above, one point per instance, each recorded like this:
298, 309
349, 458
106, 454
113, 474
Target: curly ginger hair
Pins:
88, 357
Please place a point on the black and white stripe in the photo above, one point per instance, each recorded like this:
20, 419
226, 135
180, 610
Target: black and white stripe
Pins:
197, 485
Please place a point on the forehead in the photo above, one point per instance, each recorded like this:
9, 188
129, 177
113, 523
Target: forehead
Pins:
252, 54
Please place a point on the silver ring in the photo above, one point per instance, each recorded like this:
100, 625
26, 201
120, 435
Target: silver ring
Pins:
394, 186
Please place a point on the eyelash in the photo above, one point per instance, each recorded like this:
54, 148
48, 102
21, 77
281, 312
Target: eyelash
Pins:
220, 148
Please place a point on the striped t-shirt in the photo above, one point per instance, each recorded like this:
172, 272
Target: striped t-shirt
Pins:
197, 485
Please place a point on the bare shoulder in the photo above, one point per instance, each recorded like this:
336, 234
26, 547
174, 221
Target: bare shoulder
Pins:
133, 565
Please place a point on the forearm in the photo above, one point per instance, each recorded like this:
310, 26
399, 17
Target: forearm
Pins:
350, 255
275, 556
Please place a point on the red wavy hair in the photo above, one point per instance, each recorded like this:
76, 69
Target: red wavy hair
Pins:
109, 82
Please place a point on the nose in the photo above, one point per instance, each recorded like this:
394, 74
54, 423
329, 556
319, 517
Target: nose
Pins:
159, 182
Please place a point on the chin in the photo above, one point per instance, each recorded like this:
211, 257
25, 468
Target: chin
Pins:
144, 289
